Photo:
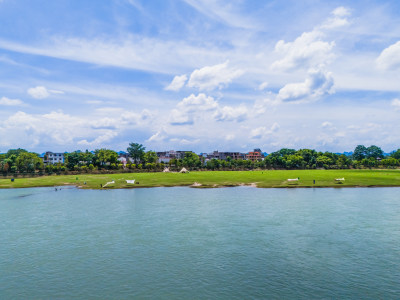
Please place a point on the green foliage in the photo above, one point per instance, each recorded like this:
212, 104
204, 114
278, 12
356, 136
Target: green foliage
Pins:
28, 162
106, 157
15, 152
360, 152
79, 158
150, 157
136, 151
294, 161
374, 152
191, 160
395, 154
390, 162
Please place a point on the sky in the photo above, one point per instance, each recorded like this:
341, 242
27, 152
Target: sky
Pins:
199, 75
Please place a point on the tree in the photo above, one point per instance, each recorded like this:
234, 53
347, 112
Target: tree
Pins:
395, 154
11, 160
360, 152
105, 156
191, 160
374, 152
150, 157
390, 162
343, 161
309, 156
136, 151
294, 161
72, 159
324, 161
15, 152
29, 162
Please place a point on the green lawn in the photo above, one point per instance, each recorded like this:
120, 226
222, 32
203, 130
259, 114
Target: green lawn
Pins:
264, 179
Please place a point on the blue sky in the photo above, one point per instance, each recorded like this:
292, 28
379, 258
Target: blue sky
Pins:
199, 75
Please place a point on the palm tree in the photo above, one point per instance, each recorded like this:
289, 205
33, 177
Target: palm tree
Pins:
136, 151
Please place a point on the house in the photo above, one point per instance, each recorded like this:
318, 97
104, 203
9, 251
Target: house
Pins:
53, 158
166, 156
254, 155
123, 157
225, 155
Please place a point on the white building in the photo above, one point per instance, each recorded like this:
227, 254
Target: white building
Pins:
53, 158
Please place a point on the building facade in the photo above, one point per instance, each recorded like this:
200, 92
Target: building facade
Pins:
53, 158
255, 155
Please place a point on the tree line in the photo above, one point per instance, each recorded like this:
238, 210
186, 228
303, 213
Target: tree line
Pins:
20, 161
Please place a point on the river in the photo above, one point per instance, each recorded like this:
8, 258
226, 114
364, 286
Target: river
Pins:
184, 243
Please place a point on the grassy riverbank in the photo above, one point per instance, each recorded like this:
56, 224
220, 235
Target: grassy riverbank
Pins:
209, 179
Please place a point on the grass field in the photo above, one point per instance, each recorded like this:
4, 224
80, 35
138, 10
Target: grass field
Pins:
209, 179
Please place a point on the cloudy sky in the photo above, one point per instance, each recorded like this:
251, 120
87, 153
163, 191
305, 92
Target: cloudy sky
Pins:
199, 75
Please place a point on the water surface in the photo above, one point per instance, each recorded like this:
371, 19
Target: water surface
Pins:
228, 243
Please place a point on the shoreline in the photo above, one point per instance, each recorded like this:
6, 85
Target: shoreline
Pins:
206, 187
217, 179
79, 187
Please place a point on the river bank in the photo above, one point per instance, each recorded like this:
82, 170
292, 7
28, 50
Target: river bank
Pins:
215, 179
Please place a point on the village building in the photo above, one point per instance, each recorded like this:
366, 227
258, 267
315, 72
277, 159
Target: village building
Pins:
255, 155
53, 158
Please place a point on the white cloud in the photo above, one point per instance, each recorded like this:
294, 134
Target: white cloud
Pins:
396, 103
275, 127
339, 18
341, 12
60, 128
263, 86
99, 140
200, 102
190, 107
202, 106
224, 12
184, 141
63, 130
262, 132
159, 136
178, 117
228, 113
258, 133
389, 59
326, 124
212, 77
317, 84
308, 50
177, 83
131, 52
229, 137
39, 92
10, 102
56, 92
